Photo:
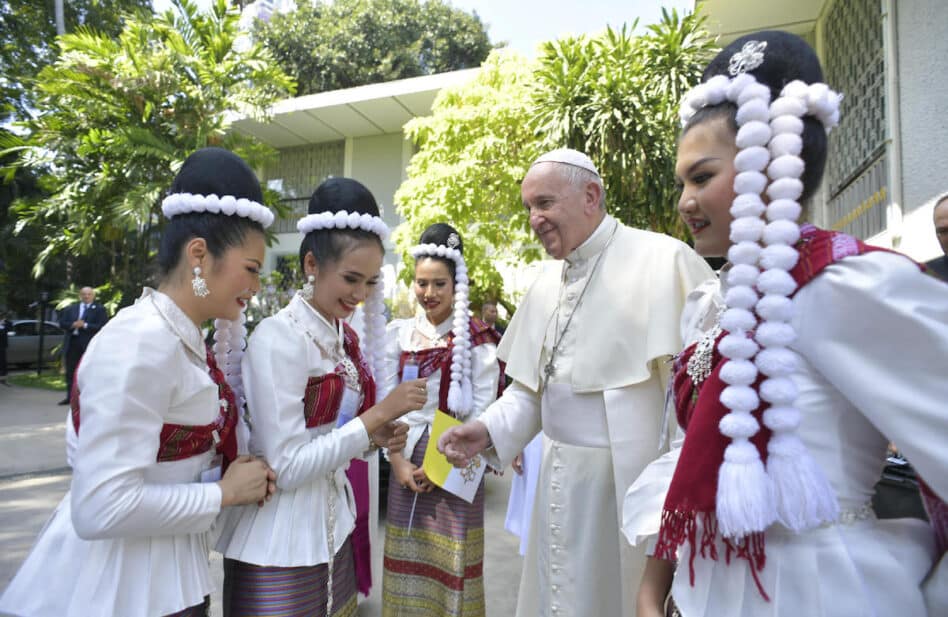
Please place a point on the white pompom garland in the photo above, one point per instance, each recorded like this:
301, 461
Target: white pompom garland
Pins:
461, 390
230, 341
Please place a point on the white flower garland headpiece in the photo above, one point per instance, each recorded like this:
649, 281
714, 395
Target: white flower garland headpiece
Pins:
461, 391
183, 203
374, 344
792, 489
343, 220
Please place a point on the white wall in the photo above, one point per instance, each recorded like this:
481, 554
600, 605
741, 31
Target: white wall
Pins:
923, 67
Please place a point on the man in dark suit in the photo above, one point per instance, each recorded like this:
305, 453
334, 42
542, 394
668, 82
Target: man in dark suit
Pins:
81, 321
939, 265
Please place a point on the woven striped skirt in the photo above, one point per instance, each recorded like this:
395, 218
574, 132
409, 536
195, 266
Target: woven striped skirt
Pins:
436, 567
266, 591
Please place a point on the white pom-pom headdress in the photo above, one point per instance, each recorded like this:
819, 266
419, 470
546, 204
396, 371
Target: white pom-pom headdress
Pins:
374, 344
460, 392
183, 203
791, 489
217, 181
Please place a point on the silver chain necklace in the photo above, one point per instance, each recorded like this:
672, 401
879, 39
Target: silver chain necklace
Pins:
550, 368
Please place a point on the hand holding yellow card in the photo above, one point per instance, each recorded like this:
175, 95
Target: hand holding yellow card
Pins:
461, 482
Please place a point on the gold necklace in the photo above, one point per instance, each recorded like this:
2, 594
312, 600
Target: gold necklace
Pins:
350, 374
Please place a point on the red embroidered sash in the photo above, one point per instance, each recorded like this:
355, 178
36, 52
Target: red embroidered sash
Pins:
434, 358
180, 441
323, 394
693, 489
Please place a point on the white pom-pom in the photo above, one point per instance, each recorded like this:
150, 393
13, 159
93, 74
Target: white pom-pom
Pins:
778, 391
787, 124
212, 203
753, 91
739, 425
750, 182
786, 166
755, 110
753, 133
747, 205
743, 274
781, 232
737, 346
716, 89
741, 297
796, 88
754, 158
785, 143
737, 84
785, 188
243, 207
782, 256
776, 362
746, 229
777, 282
738, 372
787, 106
780, 418
775, 307
786, 209
736, 319
744, 253
740, 398
228, 205
773, 334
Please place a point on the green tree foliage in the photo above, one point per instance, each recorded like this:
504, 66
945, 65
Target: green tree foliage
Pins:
328, 45
473, 150
616, 98
118, 117
28, 40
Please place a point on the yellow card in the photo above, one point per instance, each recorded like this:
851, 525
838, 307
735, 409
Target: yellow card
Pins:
461, 482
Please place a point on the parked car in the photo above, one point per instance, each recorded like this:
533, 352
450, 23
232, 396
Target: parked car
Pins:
23, 342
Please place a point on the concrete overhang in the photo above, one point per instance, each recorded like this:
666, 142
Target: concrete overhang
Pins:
730, 19
376, 109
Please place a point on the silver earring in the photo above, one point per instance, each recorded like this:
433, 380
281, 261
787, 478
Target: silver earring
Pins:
308, 288
198, 284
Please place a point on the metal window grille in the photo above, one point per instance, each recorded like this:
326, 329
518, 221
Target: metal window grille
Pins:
302, 169
856, 172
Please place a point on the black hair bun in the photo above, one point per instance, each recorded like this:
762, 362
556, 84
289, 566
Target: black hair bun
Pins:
786, 57
442, 234
216, 171
338, 194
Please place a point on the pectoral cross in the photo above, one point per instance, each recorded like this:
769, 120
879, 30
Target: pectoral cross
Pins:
548, 371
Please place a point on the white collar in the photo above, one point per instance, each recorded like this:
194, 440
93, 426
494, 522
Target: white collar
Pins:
595, 243
317, 325
177, 320
431, 331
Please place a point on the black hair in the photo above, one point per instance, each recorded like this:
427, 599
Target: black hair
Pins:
438, 233
335, 195
209, 171
787, 58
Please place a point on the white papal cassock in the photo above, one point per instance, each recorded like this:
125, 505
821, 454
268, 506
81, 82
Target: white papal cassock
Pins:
621, 292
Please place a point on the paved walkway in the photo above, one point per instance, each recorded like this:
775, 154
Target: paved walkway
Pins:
34, 477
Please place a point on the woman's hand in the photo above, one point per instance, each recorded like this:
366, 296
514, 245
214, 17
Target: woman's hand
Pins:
247, 480
421, 480
393, 436
407, 396
404, 471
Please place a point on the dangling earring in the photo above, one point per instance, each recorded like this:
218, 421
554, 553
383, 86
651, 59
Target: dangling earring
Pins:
308, 288
198, 284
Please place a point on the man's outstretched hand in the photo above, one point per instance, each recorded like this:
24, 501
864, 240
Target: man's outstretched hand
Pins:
462, 443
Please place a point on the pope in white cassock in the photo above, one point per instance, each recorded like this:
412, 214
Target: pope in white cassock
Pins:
587, 350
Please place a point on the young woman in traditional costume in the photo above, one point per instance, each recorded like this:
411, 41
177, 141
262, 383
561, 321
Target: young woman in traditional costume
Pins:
312, 405
434, 544
817, 351
152, 413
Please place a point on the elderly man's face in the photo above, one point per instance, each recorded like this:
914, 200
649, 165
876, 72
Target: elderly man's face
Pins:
563, 216
87, 295
941, 224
